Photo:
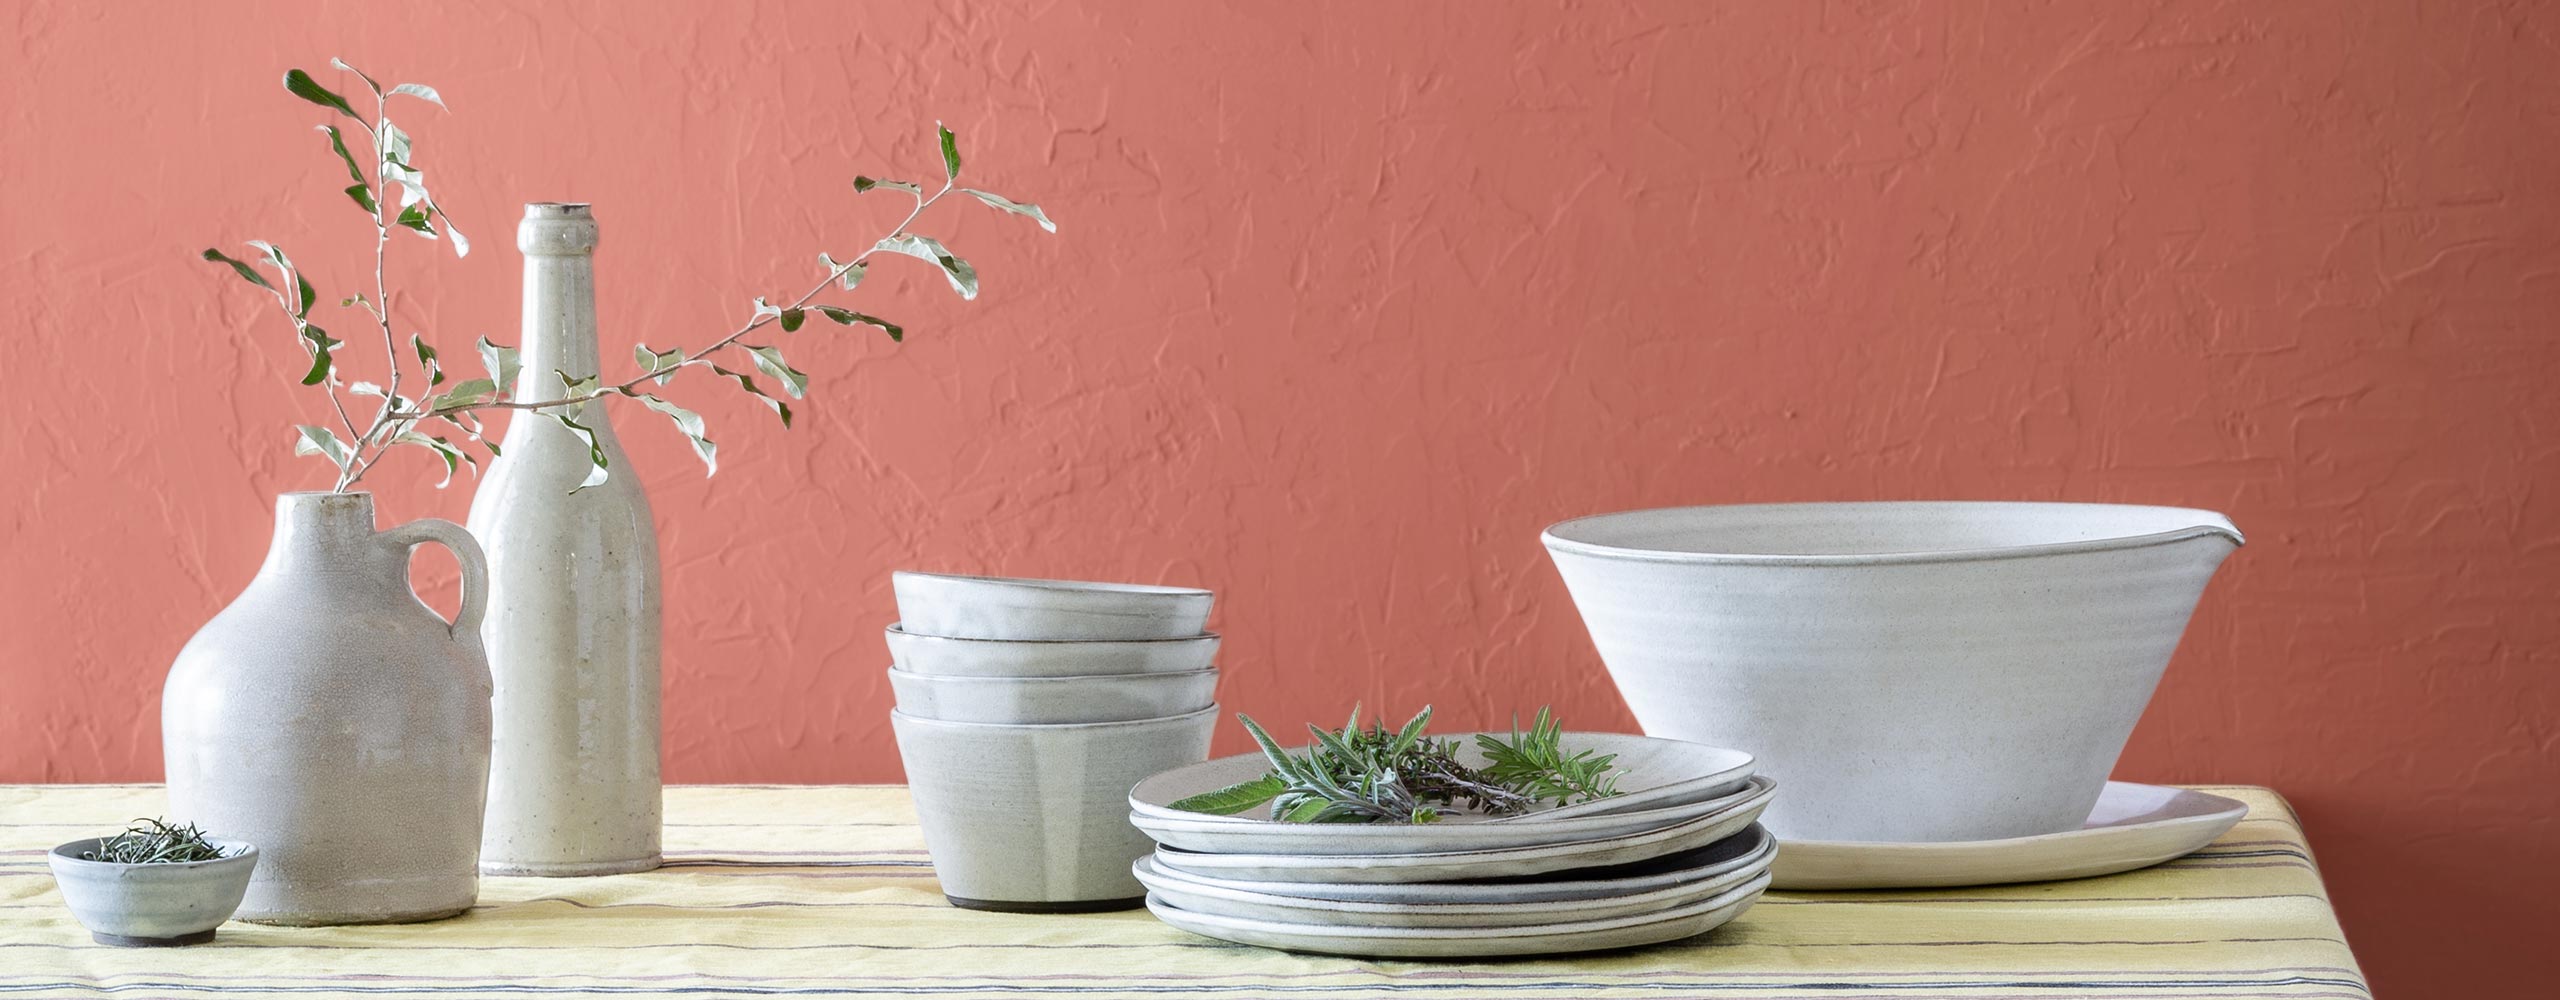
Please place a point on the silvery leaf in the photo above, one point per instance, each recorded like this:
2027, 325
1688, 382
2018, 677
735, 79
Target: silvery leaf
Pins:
964, 278
849, 317
366, 389
769, 361
596, 471
661, 365
422, 92
690, 424
499, 361
360, 75
1015, 207
426, 355
574, 386
393, 144
748, 383
467, 391
764, 308
319, 441
850, 274
445, 450
461, 247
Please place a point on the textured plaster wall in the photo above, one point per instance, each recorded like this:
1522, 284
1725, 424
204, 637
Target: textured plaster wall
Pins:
1349, 301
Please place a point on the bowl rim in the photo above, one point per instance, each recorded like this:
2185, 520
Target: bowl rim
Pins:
1161, 720
898, 628
2208, 523
68, 854
1075, 586
1152, 676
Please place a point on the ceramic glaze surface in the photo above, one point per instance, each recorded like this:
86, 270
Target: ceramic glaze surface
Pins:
155, 902
573, 627
1481, 942
332, 719
948, 657
1053, 700
1910, 671
2133, 826
1038, 814
1752, 847
1278, 900
991, 607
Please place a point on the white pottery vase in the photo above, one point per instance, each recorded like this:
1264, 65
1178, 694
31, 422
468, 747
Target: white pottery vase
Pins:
332, 719
1906, 671
573, 599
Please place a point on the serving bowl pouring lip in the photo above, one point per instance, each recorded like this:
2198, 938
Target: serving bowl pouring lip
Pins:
2203, 523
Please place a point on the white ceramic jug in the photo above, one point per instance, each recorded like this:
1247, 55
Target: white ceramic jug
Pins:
1906, 671
332, 719
573, 606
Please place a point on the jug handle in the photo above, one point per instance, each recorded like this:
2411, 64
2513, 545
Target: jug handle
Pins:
466, 550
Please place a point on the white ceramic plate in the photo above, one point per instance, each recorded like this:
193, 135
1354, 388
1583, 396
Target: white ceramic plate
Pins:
1222, 835
1479, 942
948, 657
1653, 773
1453, 866
1754, 847
2133, 826
1227, 898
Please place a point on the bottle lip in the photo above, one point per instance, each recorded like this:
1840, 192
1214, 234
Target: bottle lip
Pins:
557, 210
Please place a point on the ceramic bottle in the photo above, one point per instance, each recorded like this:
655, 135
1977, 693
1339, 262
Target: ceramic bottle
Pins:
333, 720
573, 599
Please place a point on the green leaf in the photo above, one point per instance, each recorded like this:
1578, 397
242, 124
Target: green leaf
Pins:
849, 317
320, 344
415, 217
363, 197
461, 246
574, 386
1234, 798
1024, 209
865, 184
791, 319
303, 86
964, 278
661, 365
368, 81
688, 423
596, 461
445, 450
769, 361
470, 390
748, 383
499, 361
1306, 811
320, 441
950, 152
420, 91
246, 272
361, 191
426, 358
849, 274
393, 146
303, 294
1412, 732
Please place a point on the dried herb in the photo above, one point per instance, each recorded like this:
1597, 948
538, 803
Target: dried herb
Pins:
153, 841
1352, 775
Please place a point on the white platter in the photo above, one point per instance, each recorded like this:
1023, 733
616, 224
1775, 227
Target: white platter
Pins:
1479, 942
1653, 773
1451, 866
1222, 835
2133, 826
1457, 907
1754, 846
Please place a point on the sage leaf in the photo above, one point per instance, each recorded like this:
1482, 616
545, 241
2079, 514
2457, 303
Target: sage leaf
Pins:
245, 272
864, 184
849, 317
303, 86
688, 423
1024, 209
597, 463
791, 319
769, 360
422, 92
499, 361
360, 75
950, 152
426, 357
311, 440
963, 277
748, 383
1234, 798
848, 274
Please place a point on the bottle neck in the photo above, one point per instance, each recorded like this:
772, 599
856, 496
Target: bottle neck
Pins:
559, 243
321, 531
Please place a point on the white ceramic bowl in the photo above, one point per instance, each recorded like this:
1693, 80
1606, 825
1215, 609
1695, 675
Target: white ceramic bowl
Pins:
1045, 701
1034, 819
990, 607
1910, 671
944, 656
154, 904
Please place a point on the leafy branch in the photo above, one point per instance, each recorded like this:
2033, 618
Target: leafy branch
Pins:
1353, 775
442, 418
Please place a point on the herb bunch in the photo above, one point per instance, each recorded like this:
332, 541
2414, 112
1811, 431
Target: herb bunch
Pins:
391, 191
155, 841
1352, 775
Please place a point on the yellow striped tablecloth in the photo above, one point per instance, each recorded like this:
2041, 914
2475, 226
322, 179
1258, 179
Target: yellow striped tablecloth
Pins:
825, 891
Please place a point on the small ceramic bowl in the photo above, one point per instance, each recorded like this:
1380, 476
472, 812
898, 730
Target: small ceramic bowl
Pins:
988, 607
943, 656
1049, 701
1034, 819
155, 904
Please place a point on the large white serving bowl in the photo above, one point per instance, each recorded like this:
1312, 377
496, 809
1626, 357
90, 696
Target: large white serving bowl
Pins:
1910, 671
1047, 701
1034, 819
948, 657
994, 607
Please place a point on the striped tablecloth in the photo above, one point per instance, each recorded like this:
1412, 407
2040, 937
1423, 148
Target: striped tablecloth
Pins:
826, 892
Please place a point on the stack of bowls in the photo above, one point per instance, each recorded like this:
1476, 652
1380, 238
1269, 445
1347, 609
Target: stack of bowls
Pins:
1675, 854
1026, 709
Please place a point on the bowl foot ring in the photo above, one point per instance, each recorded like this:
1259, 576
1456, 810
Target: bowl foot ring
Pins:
128, 941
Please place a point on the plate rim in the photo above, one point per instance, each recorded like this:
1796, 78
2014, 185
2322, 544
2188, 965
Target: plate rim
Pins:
1830, 852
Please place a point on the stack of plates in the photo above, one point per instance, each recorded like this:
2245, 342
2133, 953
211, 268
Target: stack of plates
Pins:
1675, 854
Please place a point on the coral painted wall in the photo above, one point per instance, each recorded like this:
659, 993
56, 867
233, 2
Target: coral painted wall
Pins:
1348, 302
